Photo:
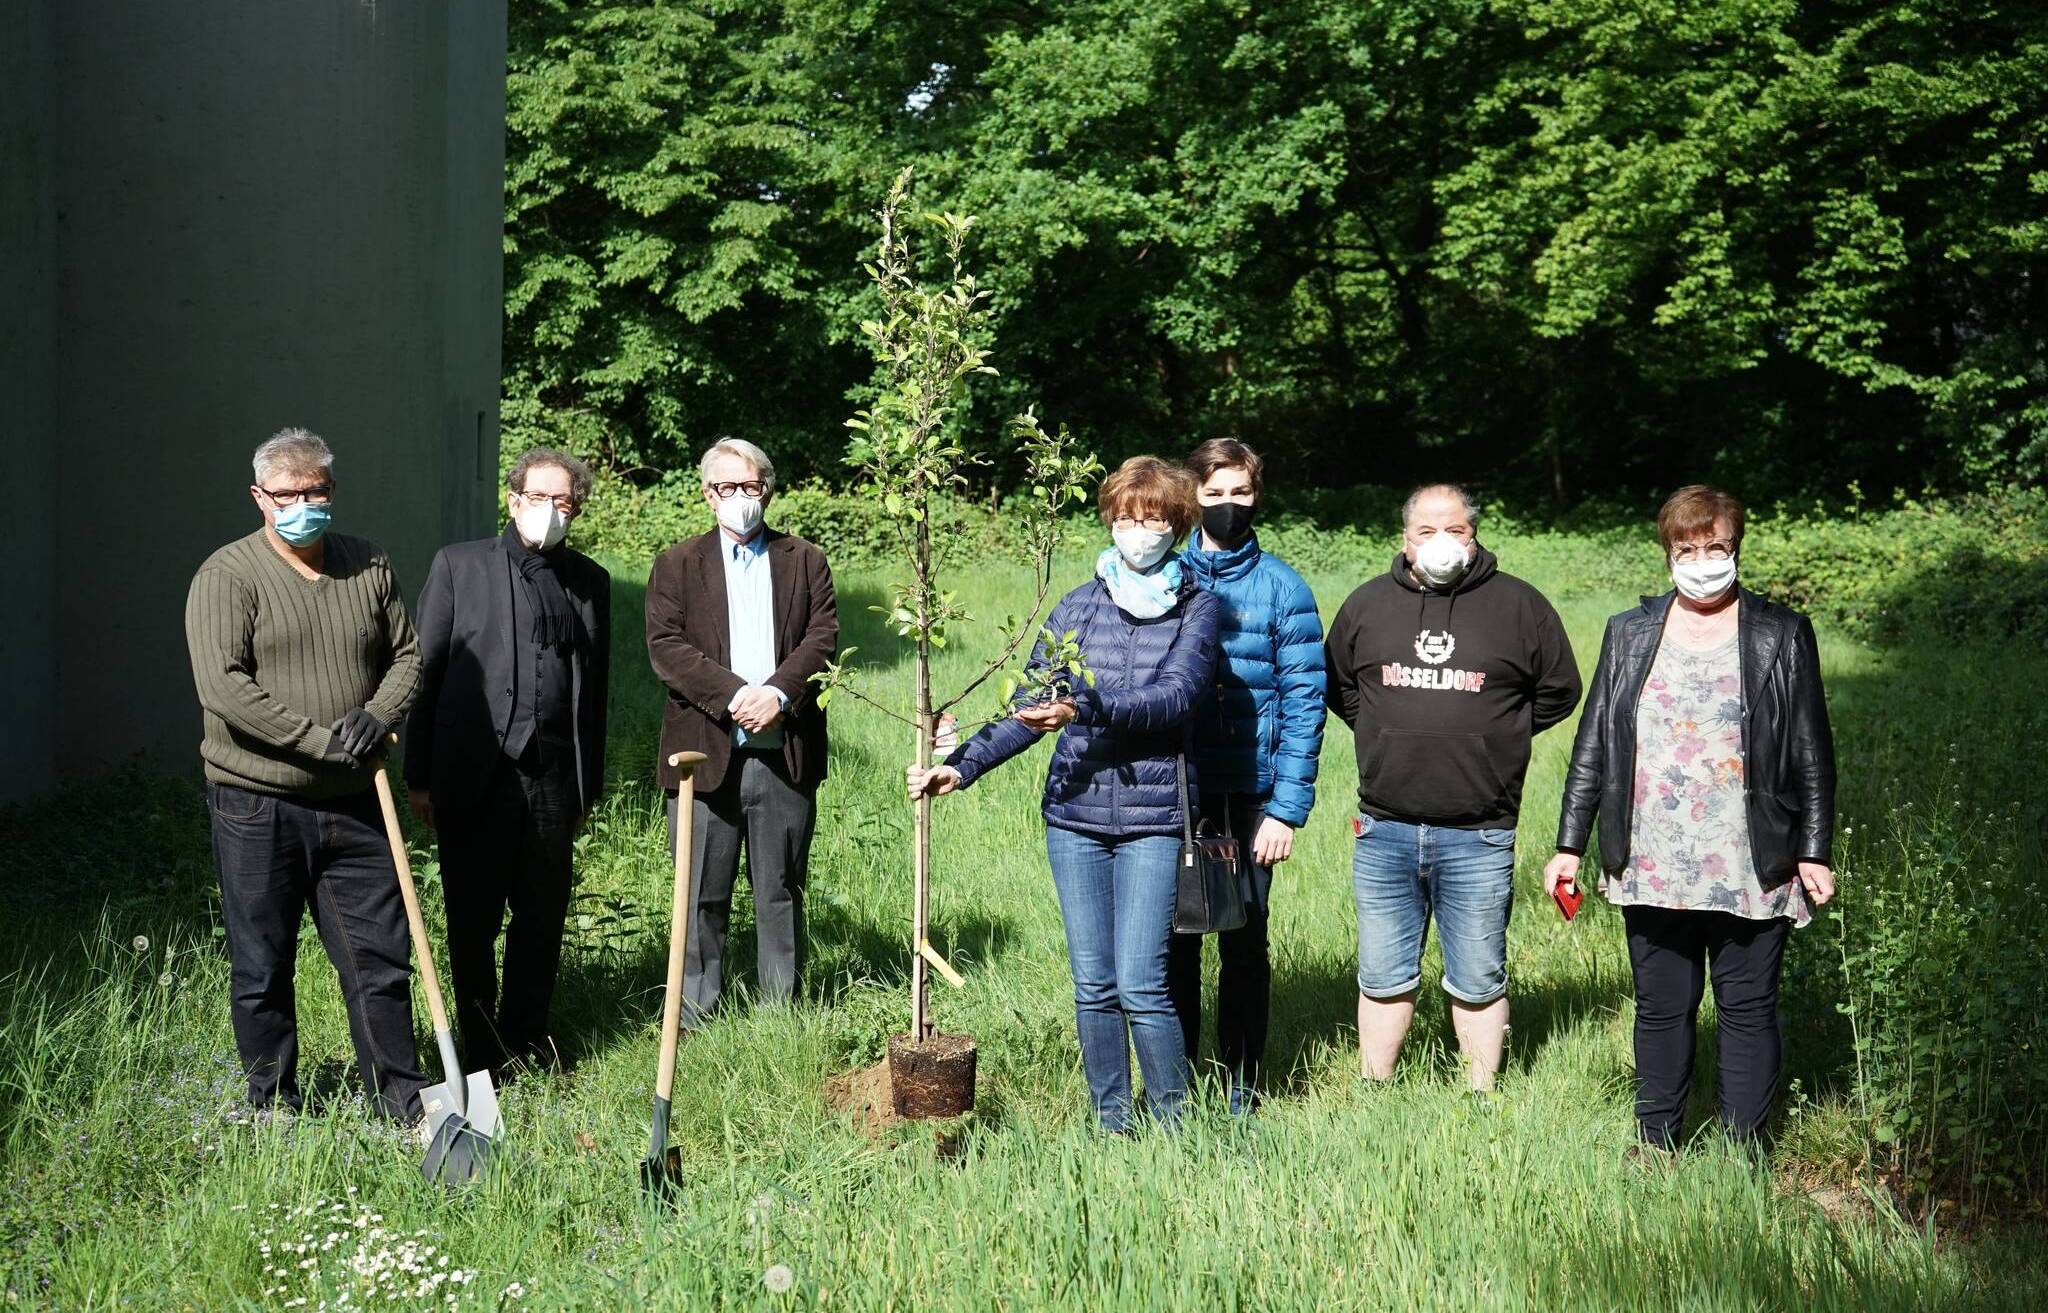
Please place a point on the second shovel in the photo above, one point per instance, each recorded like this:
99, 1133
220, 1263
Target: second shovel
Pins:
661, 1169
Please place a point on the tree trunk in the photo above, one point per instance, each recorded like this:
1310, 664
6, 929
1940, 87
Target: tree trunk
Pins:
920, 976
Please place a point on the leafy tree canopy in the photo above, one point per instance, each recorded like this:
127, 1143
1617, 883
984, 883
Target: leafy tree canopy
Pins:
1570, 247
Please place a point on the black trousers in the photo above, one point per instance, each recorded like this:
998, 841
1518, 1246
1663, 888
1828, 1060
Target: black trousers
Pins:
275, 858
508, 850
759, 808
1673, 952
1244, 974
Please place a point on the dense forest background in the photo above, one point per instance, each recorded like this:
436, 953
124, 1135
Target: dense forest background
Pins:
1575, 249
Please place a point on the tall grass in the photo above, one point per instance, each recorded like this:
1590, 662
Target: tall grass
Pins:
125, 1181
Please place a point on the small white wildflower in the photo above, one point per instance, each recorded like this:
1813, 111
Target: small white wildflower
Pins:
779, 1279
140, 943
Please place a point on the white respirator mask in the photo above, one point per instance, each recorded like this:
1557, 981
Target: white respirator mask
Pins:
542, 525
1442, 560
741, 514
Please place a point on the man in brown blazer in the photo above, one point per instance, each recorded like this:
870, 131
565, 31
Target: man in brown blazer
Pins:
738, 620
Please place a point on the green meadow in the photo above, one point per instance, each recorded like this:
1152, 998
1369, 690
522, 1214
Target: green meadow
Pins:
1900, 1177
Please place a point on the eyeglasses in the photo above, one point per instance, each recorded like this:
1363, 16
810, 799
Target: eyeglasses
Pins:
1153, 522
566, 505
319, 494
752, 488
1713, 551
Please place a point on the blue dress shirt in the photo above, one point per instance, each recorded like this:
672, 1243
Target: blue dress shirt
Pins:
750, 621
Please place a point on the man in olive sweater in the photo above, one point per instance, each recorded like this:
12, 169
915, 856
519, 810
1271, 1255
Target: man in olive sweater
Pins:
303, 657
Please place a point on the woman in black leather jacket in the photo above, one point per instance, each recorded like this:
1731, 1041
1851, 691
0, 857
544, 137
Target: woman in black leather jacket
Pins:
1704, 751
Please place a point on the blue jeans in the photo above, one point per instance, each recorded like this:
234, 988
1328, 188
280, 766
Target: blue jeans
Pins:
1116, 898
1401, 874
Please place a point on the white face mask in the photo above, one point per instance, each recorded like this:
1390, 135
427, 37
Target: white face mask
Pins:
1140, 547
741, 514
1442, 560
541, 526
1703, 581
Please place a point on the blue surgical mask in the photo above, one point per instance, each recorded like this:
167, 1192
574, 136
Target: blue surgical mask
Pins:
302, 523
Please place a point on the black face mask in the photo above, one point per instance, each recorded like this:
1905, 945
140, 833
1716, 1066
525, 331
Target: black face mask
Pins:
1227, 522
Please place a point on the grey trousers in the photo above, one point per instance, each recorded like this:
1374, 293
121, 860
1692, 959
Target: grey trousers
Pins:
756, 807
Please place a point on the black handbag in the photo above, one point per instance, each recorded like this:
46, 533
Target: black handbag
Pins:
1208, 894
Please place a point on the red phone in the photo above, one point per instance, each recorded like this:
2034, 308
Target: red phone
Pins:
1568, 900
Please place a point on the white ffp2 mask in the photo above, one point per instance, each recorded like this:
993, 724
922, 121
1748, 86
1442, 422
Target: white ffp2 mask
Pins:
740, 513
542, 525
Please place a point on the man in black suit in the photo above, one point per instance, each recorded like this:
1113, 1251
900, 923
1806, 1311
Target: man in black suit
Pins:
505, 748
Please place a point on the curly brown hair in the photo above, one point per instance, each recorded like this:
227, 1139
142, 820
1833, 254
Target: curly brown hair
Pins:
1147, 485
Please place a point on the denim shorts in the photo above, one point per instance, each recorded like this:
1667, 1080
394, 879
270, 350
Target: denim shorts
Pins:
1401, 874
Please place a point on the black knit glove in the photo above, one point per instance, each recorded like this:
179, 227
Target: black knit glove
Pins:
336, 753
361, 733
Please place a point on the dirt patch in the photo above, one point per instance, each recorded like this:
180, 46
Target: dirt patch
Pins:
865, 1097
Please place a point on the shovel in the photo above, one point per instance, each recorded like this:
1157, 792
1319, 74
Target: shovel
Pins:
461, 1112
661, 1169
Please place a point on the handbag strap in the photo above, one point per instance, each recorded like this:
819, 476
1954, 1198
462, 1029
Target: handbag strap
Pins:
1180, 761
1187, 813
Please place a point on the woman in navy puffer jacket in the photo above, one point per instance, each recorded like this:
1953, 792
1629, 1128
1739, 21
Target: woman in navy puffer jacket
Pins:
1257, 736
1112, 794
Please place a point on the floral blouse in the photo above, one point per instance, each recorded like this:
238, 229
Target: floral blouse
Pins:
1689, 840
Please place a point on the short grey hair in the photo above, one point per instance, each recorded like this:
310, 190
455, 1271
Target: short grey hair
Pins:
1449, 490
743, 449
540, 457
292, 451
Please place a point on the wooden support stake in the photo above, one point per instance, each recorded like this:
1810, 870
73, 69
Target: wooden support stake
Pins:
940, 964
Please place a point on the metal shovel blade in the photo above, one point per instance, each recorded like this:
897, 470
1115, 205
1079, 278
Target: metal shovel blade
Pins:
661, 1177
459, 1143
661, 1170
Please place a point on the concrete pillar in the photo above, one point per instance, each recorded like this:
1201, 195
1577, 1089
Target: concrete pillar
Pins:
29, 437
286, 212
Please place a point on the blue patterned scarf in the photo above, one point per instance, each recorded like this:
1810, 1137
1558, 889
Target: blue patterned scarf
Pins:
1146, 596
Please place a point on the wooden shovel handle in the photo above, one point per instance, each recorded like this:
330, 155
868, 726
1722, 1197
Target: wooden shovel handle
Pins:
678, 923
430, 978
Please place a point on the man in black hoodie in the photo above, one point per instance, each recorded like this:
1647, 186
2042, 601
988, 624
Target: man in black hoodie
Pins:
1445, 669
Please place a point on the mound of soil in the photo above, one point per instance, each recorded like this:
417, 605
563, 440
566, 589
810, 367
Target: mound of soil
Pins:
866, 1097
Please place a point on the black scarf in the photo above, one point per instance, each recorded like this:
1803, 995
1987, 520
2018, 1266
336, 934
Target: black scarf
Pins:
554, 624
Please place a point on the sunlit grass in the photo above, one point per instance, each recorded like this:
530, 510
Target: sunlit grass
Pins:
125, 1181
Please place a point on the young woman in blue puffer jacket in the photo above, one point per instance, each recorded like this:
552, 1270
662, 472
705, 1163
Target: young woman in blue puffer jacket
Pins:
1257, 735
1113, 817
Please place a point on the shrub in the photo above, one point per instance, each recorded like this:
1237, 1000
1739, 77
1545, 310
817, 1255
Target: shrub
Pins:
1968, 568
1942, 950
